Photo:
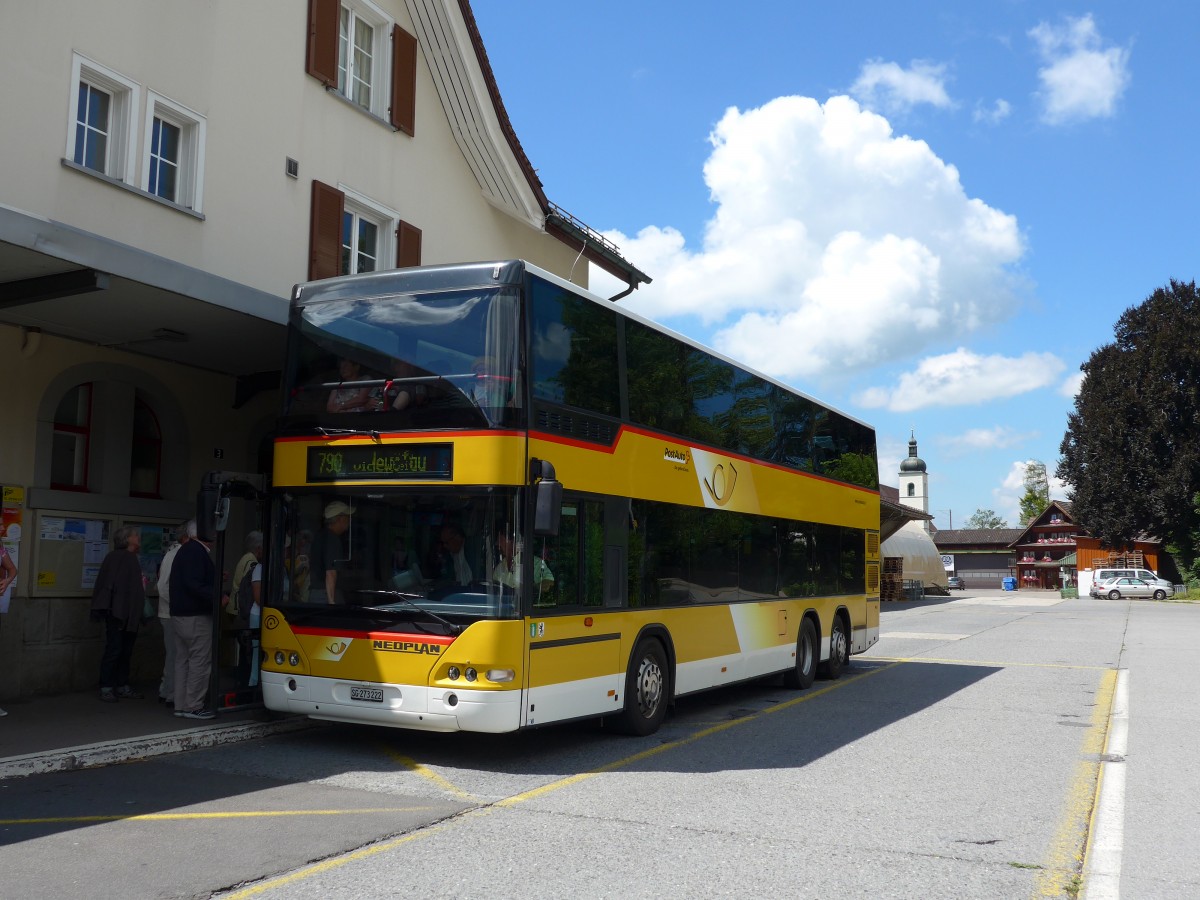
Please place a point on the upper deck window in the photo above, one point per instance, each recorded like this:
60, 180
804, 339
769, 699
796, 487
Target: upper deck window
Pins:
447, 359
574, 351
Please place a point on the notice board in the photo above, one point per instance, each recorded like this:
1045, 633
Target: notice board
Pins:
68, 550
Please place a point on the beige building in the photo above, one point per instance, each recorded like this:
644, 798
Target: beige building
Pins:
172, 169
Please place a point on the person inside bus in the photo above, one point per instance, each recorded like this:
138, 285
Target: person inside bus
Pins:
328, 552
296, 566
399, 394
353, 397
508, 568
448, 561
490, 389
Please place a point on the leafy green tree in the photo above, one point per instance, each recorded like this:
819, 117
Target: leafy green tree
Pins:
1037, 491
986, 518
1131, 453
854, 468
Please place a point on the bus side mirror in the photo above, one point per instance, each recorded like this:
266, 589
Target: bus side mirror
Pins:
212, 509
547, 499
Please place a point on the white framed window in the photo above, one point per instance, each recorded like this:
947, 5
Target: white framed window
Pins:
364, 56
101, 122
173, 152
368, 234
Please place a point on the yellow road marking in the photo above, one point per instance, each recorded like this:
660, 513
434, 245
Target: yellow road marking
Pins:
335, 863
330, 864
426, 772
1064, 861
681, 742
183, 817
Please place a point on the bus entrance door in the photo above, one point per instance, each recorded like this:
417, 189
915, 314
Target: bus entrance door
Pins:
573, 671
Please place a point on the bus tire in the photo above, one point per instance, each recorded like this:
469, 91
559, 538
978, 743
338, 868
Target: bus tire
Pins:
802, 674
647, 687
839, 651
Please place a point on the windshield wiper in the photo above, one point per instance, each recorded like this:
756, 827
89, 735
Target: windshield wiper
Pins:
403, 598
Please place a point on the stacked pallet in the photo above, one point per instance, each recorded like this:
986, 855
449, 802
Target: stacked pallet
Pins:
891, 586
1132, 559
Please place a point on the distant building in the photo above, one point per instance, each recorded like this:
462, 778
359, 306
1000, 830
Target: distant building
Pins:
1048, 554
1052, 550
911, 542
981, 557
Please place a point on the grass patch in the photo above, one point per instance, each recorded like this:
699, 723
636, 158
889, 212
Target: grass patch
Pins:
1020, 865
1188, 596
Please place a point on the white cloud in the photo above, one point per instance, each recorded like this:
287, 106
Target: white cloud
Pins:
1071, 385
891, 451
962, 378
993, 115
985, 439
835, 246
1082, 79
885, 85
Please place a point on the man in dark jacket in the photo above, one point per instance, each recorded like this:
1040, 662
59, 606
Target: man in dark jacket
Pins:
192, 577
119, 601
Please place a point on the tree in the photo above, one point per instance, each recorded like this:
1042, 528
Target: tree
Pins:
1131, 453
1037, 491
986, 518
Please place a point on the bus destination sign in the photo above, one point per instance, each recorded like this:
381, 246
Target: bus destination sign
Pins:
381, 463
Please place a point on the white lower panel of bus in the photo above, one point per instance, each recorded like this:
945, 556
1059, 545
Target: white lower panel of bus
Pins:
401, 706
862, 639
718, 670
575, 699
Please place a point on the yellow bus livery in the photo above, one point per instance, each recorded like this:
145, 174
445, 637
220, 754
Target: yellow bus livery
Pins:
500, 502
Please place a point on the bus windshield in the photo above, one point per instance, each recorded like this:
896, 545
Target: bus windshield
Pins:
418, 558
405, 360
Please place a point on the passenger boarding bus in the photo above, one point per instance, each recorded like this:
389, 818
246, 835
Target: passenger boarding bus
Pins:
500, 502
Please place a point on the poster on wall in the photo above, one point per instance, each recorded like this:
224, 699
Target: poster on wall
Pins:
12, 504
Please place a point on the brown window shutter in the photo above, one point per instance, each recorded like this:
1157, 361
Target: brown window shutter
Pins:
408, 245
320, 61
325, 232
404, 80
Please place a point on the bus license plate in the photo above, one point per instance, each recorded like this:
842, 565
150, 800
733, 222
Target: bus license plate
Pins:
375, 695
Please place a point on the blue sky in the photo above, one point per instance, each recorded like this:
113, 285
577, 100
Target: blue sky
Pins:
926, 214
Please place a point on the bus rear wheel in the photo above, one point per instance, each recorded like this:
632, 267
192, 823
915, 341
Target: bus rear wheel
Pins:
839, 651
802, 674
646, 690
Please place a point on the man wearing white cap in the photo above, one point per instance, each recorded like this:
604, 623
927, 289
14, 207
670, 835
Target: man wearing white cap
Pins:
328, 552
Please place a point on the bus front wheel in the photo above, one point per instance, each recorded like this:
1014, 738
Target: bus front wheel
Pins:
802, 674
646, 689
839, 651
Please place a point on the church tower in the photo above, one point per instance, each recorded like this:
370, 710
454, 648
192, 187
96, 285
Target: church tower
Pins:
914, 481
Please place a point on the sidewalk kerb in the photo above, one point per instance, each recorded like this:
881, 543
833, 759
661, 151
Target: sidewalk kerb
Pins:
106, 753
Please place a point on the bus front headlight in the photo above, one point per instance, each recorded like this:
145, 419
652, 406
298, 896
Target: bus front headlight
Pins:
500, 676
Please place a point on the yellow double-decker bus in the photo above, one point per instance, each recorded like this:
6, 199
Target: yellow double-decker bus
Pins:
499, 502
